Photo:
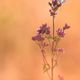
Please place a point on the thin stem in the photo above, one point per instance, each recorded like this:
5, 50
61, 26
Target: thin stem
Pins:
44, 60
52, 58
52, 69
44, 57
53, 26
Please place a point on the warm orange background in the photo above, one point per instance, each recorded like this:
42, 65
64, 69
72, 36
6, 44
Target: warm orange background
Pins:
20, 58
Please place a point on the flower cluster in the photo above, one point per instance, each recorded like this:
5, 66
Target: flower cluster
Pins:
61, 31
55, 4
44, 29
66, 27
38, 38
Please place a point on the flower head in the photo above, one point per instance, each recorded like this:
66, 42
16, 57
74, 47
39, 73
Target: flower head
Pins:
57, 3
60, 32
52, 12
66, 27
44, 29
37, 38
54, 2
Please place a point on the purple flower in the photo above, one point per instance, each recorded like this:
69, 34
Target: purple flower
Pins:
38, 38
44, 29
60, 32
52, 12
57, 3
54, 2
66, 27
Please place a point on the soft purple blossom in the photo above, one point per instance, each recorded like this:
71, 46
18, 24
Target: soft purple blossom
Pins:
44, 29
57, 3
54, 2
66, 27
60, 32
38, 38
52, 12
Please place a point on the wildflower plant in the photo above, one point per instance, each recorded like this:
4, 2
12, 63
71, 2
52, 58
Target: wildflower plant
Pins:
45, 39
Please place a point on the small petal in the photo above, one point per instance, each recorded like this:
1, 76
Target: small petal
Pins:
54, 2
44, 29
60, 32
38, 38
52, 12
66, 27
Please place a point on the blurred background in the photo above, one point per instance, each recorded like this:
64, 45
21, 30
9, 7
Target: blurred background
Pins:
20, 57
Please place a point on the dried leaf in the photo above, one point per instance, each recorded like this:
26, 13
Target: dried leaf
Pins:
46, 67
